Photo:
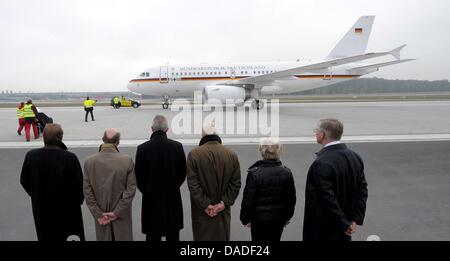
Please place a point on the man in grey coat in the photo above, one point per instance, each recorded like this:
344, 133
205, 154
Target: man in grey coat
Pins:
109, 188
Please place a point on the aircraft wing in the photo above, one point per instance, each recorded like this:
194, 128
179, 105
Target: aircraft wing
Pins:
267, 78
379, 65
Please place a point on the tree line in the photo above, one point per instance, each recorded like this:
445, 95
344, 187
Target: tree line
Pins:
378, 85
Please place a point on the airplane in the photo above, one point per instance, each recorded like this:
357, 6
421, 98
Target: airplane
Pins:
241, 82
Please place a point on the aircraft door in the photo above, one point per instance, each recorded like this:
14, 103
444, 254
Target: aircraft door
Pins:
164, 74
232, 73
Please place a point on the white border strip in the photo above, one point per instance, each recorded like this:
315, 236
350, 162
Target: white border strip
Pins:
243, 141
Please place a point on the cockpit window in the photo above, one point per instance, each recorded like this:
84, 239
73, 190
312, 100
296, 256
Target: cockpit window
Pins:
142, 74
147, 74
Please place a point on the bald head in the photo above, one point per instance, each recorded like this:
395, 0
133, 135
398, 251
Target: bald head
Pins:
111, 135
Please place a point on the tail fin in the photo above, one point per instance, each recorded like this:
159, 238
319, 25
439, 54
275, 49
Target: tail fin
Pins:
355, 41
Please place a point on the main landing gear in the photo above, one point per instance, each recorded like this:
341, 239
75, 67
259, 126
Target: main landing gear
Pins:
257, 104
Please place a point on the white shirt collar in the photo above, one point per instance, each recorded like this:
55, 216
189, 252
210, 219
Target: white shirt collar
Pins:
332, 143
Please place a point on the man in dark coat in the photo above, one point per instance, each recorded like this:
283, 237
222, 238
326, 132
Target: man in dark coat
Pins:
336, 188
160, 171
214, 179
53, 178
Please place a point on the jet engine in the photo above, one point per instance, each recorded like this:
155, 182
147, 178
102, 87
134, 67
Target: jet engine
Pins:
222, 94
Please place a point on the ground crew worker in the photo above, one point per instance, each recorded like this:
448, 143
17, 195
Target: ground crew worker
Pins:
89, 108
116, 102
21, 118
29, 113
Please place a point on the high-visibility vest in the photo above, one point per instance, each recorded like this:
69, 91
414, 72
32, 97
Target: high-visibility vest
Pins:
28, 112
89, 103
116, 100
20, 112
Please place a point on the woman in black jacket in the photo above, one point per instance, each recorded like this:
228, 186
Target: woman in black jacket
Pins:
269, 195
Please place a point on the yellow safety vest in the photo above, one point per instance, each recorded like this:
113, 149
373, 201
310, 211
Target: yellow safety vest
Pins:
20, 113
116, 100
28, 112
89, 103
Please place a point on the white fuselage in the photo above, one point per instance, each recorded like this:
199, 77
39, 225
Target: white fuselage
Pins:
184, 80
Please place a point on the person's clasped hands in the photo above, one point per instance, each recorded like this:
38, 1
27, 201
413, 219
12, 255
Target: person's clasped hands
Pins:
107, 218
214, 210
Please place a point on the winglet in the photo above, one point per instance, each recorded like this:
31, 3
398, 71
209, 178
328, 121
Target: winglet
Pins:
396, 52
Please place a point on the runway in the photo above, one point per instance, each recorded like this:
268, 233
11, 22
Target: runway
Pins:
364, 122
405, 146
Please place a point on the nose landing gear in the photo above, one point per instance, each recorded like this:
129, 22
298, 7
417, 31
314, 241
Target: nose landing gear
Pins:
165, 104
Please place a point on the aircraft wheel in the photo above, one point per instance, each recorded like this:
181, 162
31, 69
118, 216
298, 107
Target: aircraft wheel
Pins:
257, 104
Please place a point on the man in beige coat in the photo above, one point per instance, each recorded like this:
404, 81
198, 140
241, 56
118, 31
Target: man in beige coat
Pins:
214, 179
109, 188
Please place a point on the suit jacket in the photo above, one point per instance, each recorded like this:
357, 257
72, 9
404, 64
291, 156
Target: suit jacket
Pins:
160, 172
336, 194
109, 186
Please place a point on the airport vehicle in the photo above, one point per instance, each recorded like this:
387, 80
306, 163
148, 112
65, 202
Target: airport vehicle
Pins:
126, 102
241, 82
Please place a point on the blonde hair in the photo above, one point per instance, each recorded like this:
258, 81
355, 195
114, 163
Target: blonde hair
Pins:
270, 148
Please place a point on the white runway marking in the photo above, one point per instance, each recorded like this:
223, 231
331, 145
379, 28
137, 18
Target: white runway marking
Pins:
242, 141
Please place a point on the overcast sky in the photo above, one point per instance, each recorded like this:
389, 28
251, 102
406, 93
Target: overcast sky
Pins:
57, 45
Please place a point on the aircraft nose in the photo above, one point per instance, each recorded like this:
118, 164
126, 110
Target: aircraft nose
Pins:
131, 86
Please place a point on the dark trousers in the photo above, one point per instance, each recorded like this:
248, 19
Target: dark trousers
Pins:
89, 110
267, 231
175, 237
